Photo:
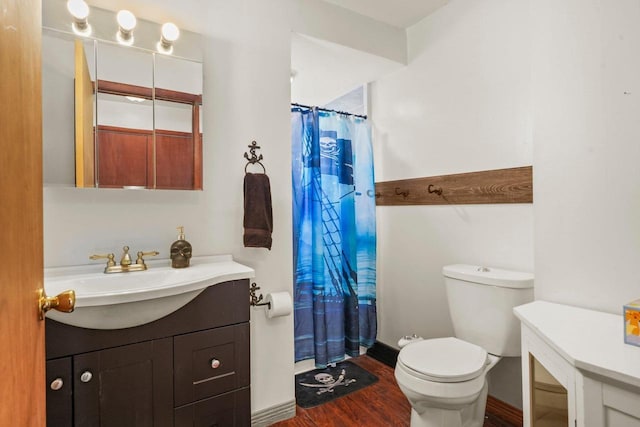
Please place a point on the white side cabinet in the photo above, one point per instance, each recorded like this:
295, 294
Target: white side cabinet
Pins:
576, 369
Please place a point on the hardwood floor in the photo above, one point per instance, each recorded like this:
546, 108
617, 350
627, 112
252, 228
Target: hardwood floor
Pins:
381, 404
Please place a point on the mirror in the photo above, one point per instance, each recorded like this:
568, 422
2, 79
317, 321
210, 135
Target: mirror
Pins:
549, 399
119, 116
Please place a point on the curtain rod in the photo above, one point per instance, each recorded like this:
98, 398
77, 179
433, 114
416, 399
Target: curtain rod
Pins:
328, 109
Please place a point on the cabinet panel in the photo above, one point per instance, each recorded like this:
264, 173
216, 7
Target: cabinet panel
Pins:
228, 410
621, 406
124, 157
59, 392
174, 160
196, 377
125, 386
620, 419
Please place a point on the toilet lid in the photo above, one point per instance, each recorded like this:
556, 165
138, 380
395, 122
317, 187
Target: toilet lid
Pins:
444, 359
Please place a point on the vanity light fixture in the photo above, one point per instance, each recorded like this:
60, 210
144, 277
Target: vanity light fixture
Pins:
80, 11
126, 23
170, 34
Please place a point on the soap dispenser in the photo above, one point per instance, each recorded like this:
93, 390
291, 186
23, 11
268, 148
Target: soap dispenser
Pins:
180, 251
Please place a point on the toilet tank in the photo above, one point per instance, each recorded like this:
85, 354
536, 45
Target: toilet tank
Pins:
481, 302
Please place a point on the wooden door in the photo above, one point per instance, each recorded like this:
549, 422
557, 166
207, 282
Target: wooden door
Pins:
84, 104
22, 359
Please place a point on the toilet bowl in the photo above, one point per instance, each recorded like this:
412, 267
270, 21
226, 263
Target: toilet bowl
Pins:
445, 379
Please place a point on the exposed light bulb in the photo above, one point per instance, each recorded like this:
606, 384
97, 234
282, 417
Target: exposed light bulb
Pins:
169, 34
126, 22
78, 9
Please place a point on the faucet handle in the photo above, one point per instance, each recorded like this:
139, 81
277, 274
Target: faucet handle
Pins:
111, 259
141, 254
126, 258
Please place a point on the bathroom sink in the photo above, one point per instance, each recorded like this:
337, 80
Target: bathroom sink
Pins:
124, 300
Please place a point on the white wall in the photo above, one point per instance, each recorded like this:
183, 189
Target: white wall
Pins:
326, 70
586, 86
462, 104
335, 24
246, 97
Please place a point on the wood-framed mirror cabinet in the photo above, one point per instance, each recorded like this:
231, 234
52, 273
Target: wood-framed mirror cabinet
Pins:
118, 116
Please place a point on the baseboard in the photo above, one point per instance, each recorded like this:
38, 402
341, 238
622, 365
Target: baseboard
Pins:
383, 353
272, 415
504, 411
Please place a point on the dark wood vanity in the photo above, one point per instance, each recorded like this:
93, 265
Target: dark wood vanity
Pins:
190, 368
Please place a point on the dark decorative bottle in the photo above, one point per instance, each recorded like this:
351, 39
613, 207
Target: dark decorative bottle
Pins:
180, 251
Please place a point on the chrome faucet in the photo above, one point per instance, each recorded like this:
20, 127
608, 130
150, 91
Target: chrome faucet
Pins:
125, 261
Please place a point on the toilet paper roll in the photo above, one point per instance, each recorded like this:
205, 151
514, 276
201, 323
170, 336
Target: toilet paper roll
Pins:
280, 304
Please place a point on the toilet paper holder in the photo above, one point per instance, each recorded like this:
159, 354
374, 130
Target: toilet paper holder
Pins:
255, 299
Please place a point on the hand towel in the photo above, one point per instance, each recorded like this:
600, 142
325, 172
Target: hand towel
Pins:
258, 217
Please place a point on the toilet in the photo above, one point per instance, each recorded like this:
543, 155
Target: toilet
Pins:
445, 379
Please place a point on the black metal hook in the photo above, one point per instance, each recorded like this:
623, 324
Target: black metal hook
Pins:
432, 189
402, 193
255, 299
370, 193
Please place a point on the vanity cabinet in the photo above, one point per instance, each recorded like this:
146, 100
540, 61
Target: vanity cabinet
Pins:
189, 368
592, 377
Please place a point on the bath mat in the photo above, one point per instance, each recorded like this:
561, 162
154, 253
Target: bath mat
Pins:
320, 386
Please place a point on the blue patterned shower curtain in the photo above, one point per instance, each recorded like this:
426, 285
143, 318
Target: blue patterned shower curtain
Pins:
334, 235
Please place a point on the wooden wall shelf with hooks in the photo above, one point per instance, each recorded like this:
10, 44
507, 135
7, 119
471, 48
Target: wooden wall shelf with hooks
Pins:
512, 185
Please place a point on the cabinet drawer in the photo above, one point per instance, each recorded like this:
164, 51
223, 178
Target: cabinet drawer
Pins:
228, 410
211, 362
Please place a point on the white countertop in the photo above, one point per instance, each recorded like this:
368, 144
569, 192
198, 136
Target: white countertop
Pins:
125, 300
592, 341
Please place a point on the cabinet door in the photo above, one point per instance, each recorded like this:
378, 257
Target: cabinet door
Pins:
59, 392
124, 157
174, 160
125, 386
621, 406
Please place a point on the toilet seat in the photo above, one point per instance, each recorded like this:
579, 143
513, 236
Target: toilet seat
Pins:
444, 360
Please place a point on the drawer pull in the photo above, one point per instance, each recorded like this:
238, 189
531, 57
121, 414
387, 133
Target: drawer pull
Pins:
86, 376
56, 384
215, 363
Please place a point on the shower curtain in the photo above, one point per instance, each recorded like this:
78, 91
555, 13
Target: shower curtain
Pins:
334, 235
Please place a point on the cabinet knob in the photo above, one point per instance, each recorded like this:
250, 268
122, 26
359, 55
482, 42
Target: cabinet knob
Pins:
215, 363
56, 384
86, 376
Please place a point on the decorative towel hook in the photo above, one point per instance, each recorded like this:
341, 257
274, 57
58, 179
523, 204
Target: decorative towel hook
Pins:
432, 189
255, 299
402, 193
370, 193
254, 158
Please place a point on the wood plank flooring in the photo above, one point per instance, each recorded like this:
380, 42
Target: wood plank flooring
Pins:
381, 404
